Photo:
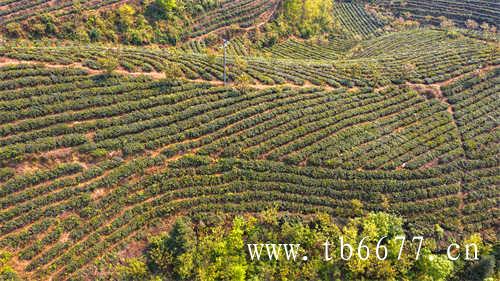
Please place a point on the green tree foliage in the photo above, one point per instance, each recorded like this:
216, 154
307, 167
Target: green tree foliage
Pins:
161, 9
134, 26
242, 82
141, 34
100, 28
166, 5
14, 29
126, 17
218, 251
165, 22
433, 267
7, 273
307, 17
216, 255
486, 268
133, 270
173, 71
174, 252
481, 270
108, 63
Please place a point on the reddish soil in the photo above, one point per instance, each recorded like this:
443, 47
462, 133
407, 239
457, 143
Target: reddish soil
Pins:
134, 249
155, 75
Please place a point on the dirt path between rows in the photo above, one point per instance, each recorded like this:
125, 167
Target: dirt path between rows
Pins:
436, 91
435, 88
154, 74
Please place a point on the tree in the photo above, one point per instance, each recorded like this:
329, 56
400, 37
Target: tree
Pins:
167, 5
140, 36
485, 26
6, 272
211, 56
125, 17
439, 231
481, 270
446, 23
37, 30
357, 207
240, 64
433, 267
134, 270
217, 250
307, 18
174, 251
14, 29
242, 82
50, 24
108, 63
164, 7
82, 35
172, 71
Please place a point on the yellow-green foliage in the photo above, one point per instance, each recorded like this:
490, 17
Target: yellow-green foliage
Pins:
307, 17
7, 273
218, 251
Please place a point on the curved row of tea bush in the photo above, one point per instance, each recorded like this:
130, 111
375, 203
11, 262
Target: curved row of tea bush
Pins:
460, 11
429, 57
241, 12
195, 183
137, 115
355, 21
475, 100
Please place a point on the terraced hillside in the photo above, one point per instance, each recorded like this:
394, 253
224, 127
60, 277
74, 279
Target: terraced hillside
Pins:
473, 99
427, 56
460, 11
296, 49
131, 22
69, 201
239, 46
103, 146
316, 115
244, 13
16, 11
68, 245
99, 159
355, 21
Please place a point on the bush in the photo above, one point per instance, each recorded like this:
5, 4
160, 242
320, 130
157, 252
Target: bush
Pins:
99, 153
133, 148
192, 160
108, 63
6, 173
133, 270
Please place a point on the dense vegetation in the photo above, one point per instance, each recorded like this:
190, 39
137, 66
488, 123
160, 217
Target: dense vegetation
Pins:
120, 156
175, 21
218, 251
159, 21
138, 23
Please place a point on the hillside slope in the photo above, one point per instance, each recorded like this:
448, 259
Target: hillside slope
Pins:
17, 11
481, 11
104, 145
98, 161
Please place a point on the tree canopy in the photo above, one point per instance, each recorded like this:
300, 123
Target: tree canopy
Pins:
307, 17
197, 250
